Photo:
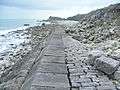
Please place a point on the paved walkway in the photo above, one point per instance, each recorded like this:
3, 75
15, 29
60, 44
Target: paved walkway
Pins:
50, 72
63, 66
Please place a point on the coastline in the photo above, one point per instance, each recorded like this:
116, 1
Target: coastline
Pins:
14, 44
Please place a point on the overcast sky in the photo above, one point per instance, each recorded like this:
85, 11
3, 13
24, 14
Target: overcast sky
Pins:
42, 9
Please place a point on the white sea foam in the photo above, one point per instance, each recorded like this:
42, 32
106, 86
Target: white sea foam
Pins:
7, 37
2, 32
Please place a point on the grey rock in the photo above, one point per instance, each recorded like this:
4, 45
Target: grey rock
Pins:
92, 55
90, 84
74, 84
106, 83
107, 65
87, 88
83, 80
75, 88
106, 88
117, 74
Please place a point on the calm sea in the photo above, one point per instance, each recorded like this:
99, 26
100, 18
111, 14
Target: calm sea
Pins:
6, 24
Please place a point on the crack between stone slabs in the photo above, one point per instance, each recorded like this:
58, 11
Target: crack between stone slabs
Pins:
68, 75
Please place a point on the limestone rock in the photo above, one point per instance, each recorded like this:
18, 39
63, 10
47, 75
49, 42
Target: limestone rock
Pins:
107, 65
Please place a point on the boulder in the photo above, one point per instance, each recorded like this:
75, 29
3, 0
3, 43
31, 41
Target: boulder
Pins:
107, 65
92, 55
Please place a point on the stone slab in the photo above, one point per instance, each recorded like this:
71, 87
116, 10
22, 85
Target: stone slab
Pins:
50, 80
54, 47
106, 88
37, 87
87, 88
57, 52
107, 65
53, 59
52, 68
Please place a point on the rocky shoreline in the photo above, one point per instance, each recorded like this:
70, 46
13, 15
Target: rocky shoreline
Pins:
14, 71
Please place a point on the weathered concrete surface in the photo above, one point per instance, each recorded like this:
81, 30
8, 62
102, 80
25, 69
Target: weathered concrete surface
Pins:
50, 72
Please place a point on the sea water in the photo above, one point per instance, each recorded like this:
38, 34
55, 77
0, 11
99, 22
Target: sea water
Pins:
7, 25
